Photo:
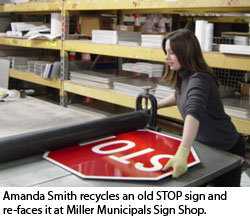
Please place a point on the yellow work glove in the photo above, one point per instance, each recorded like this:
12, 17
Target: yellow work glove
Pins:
178, 162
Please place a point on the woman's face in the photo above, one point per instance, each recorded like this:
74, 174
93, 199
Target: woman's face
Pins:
171, 58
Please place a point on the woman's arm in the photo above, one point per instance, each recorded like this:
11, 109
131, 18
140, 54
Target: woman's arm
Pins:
190, 130
167, 102
179, 161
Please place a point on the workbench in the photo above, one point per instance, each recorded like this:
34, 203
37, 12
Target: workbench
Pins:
29, 114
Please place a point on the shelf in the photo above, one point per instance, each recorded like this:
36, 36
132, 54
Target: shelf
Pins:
242, 125
227, 61
43, 44
216, 19
174, 6
32, 77
32, 6
134, 52
214, 59
108, 95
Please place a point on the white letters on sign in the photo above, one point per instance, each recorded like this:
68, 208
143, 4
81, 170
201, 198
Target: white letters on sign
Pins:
99, 149
155, 161
124, 159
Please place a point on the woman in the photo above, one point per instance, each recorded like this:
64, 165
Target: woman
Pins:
198, 100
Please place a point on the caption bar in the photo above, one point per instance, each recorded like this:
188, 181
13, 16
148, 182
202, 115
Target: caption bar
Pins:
112, 202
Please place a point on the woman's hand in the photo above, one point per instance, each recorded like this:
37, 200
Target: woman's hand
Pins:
178, 162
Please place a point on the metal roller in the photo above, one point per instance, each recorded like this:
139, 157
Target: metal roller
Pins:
28, 144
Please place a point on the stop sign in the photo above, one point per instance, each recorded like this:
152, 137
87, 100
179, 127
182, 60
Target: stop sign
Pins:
135, 155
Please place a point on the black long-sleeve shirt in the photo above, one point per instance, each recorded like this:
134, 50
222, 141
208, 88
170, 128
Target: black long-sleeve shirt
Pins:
199, 96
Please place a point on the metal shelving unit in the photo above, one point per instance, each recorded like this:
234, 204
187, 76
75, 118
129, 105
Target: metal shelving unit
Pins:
214, 59
33, 7
67, 7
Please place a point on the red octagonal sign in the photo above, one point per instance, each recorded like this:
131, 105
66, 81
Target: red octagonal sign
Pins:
135, 155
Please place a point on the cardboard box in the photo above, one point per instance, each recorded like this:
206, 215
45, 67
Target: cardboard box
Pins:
245, 88
89, 23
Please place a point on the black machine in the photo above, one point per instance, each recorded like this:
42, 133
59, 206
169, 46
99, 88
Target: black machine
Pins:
37, 142
150, 108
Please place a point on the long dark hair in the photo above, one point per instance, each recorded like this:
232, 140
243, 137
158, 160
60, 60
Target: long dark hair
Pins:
186, 47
